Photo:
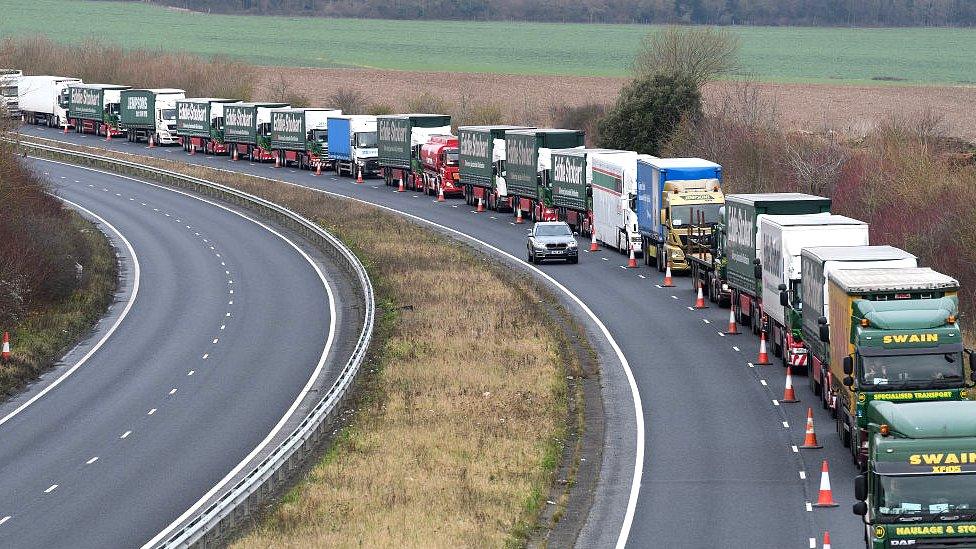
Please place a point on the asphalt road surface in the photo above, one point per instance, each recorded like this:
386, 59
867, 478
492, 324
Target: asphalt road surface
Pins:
719, 468
227, 326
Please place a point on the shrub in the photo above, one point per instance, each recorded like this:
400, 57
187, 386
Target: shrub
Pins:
648, 111
349, 100
585, 117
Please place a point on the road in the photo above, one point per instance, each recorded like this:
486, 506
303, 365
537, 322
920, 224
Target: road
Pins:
719, 468
227, 323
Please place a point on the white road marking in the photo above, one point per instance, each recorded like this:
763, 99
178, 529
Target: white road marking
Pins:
205, 356
190, 373
222, 264
809, 507
151, 412
641, 276
231, 302
721, 334
775, 402
795, 449
605, 259
228, 314
196, 234
786, 425
222, 326
736, 349
126, 434
216, 340
813, 543
51, 488
751, 365
706, 321
491, 217
216, 254
230, 281
674, 297
691, 308
132, 200
226, 272
231, 292
172, 391
143, 203
4, 519
622, 266
511, 223
167, 215
118, 195
763, 381
92, 460
803, 475
92, 186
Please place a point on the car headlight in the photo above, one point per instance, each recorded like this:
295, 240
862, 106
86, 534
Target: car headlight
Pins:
539, 246
573, 244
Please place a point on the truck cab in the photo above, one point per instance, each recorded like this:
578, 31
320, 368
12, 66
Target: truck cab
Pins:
919, 485
894, 336
690, 211
439, 159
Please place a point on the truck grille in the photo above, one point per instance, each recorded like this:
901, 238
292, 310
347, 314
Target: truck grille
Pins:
944, 543
556, 246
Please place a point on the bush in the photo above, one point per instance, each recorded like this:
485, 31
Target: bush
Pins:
427, 103
379, 109
585, 117
350, 101
648, 111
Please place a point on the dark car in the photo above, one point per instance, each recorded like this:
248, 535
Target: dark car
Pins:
552, 240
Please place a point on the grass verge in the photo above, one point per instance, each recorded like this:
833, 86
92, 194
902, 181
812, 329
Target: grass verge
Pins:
463, 413
46, 333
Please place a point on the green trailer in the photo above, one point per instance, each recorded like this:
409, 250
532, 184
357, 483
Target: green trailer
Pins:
301, 136
571, 182
400, 139
150, 114
247, 129
94, 108
481, 159
200, 123
528, 158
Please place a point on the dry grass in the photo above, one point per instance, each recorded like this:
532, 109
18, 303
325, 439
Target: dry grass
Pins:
460, 427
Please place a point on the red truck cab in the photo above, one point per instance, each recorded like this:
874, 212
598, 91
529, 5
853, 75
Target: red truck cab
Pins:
439, 158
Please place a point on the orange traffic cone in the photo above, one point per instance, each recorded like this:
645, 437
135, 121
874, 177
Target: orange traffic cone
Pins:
668, 282
826, 541
403, 186
359, 175
632, 262
233, 153
700, 299
318, 168
763, 359
810, 440
733, 325
152, 144
594, 247
440, 193
518, 215
481, 205
789, 395
66, 126
5, 354
108, 133
826, 497
193, 148
277, 161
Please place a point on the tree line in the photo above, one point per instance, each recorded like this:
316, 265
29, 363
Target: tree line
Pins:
865, 13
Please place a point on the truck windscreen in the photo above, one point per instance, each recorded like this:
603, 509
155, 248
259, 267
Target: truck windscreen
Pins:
168, 115
451, 157
902, 371
366, 140
915, 495
687, 215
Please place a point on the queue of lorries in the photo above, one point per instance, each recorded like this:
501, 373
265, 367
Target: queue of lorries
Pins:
878, 336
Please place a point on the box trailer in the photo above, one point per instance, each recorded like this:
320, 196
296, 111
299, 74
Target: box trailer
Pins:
94, 108
44, 99
571, 179
481, 162
400, 139
528, 159
150, 114
614, 186
247, 130
300, 136
10, 92
352, 145
200, 124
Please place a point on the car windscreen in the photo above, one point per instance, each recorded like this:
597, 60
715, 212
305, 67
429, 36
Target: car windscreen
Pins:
552, 230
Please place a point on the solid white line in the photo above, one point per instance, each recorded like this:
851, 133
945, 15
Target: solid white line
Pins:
126, 434
136, 275
4, 519
51, 488
92, 460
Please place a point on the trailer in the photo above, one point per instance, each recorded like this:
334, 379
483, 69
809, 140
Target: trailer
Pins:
44, 99
614, 186
400, 139
352, 145
247, 130
200, 124
300, 136
481, 165
10, 91
742, 214
783, 238
571, 179
94, 108
816, 264
150, 115
528, 161
439, 159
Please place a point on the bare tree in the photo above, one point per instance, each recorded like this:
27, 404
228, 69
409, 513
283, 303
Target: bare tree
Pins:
702, 53
816, 161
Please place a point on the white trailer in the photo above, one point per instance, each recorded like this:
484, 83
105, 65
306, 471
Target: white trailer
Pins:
9, 93
44, 99
613, 176
781, 240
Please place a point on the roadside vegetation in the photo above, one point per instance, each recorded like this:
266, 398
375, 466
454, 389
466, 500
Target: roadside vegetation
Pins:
57, 274
463, 413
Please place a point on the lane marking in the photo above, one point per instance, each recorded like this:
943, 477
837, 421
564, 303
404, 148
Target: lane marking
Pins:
151, 412
641, 276
4, 519
172, 391
216, 340
775, 402
126, 434
795, 449
809, 507
803, 475
751, 365
763, 381
205, 355
51, 488
136, 276
721, 334
736, 349
222, 326
786, 424
92, 460
190, 373
813, 543
674, 297
706, 321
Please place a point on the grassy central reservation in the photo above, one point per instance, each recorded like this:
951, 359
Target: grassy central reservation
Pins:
778, 54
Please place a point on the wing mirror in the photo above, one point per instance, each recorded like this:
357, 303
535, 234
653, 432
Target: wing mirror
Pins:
784, 298
824, 329
860, 508
848, 381
860, 487
848, 365
757, 270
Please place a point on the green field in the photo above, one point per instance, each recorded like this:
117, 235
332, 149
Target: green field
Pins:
786, 54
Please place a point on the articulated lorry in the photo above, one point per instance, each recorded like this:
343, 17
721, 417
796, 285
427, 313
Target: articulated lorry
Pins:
528, 159
816, 264
742, 243
782, 239
94, 108
614, 187
301, 136
10, 91
44, 99
200, 124
439, 160
675, 196
481, 166
894, 335
571, 179
919, 487
247, 130
400, 139
352, 145
150, 115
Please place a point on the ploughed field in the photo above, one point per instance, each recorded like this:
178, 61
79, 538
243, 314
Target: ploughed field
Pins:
775, 54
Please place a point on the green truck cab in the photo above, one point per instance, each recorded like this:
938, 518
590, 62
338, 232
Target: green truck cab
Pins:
894, 336
919, 488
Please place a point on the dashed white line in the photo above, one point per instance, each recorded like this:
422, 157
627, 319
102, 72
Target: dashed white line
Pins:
172, 391
775, 402
813, 543
795, 449
706, 321
803, 475
230, 281
228, 314
736, 349
231, 302
674, 297
205, 356
191, 372
92, 186
721, 334
222, 326
143, 203
751, 365
51, 488
786, 425
126, 434
226, 272
92, 460
809, 507
151, 412
216, 340
605, 259
222, 264
4, 519
763, 381
231, 292
691, 308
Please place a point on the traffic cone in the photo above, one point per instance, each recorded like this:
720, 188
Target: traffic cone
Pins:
151, 144
66, 126
668, 283
440, 193
826, 541
318, 168
700, 299
403, 186
594, 247
733, 325
518, 215
233, 154
789, 395
810, 439
763, 359
5, 355
481, 205
108, 133
359, 175
632, 262
193, 148
826, 497
277, 161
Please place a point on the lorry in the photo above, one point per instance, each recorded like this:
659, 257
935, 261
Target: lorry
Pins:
400, 139
44, 99
352, 144
200, 124
481, 165
10, 92
810, 302
672, 194
894, 335
614, 187
571, 178
150, 114
94, 108
528, 159
742, 242
919, 486
783, 238
247, 130
439, 160
301, 136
